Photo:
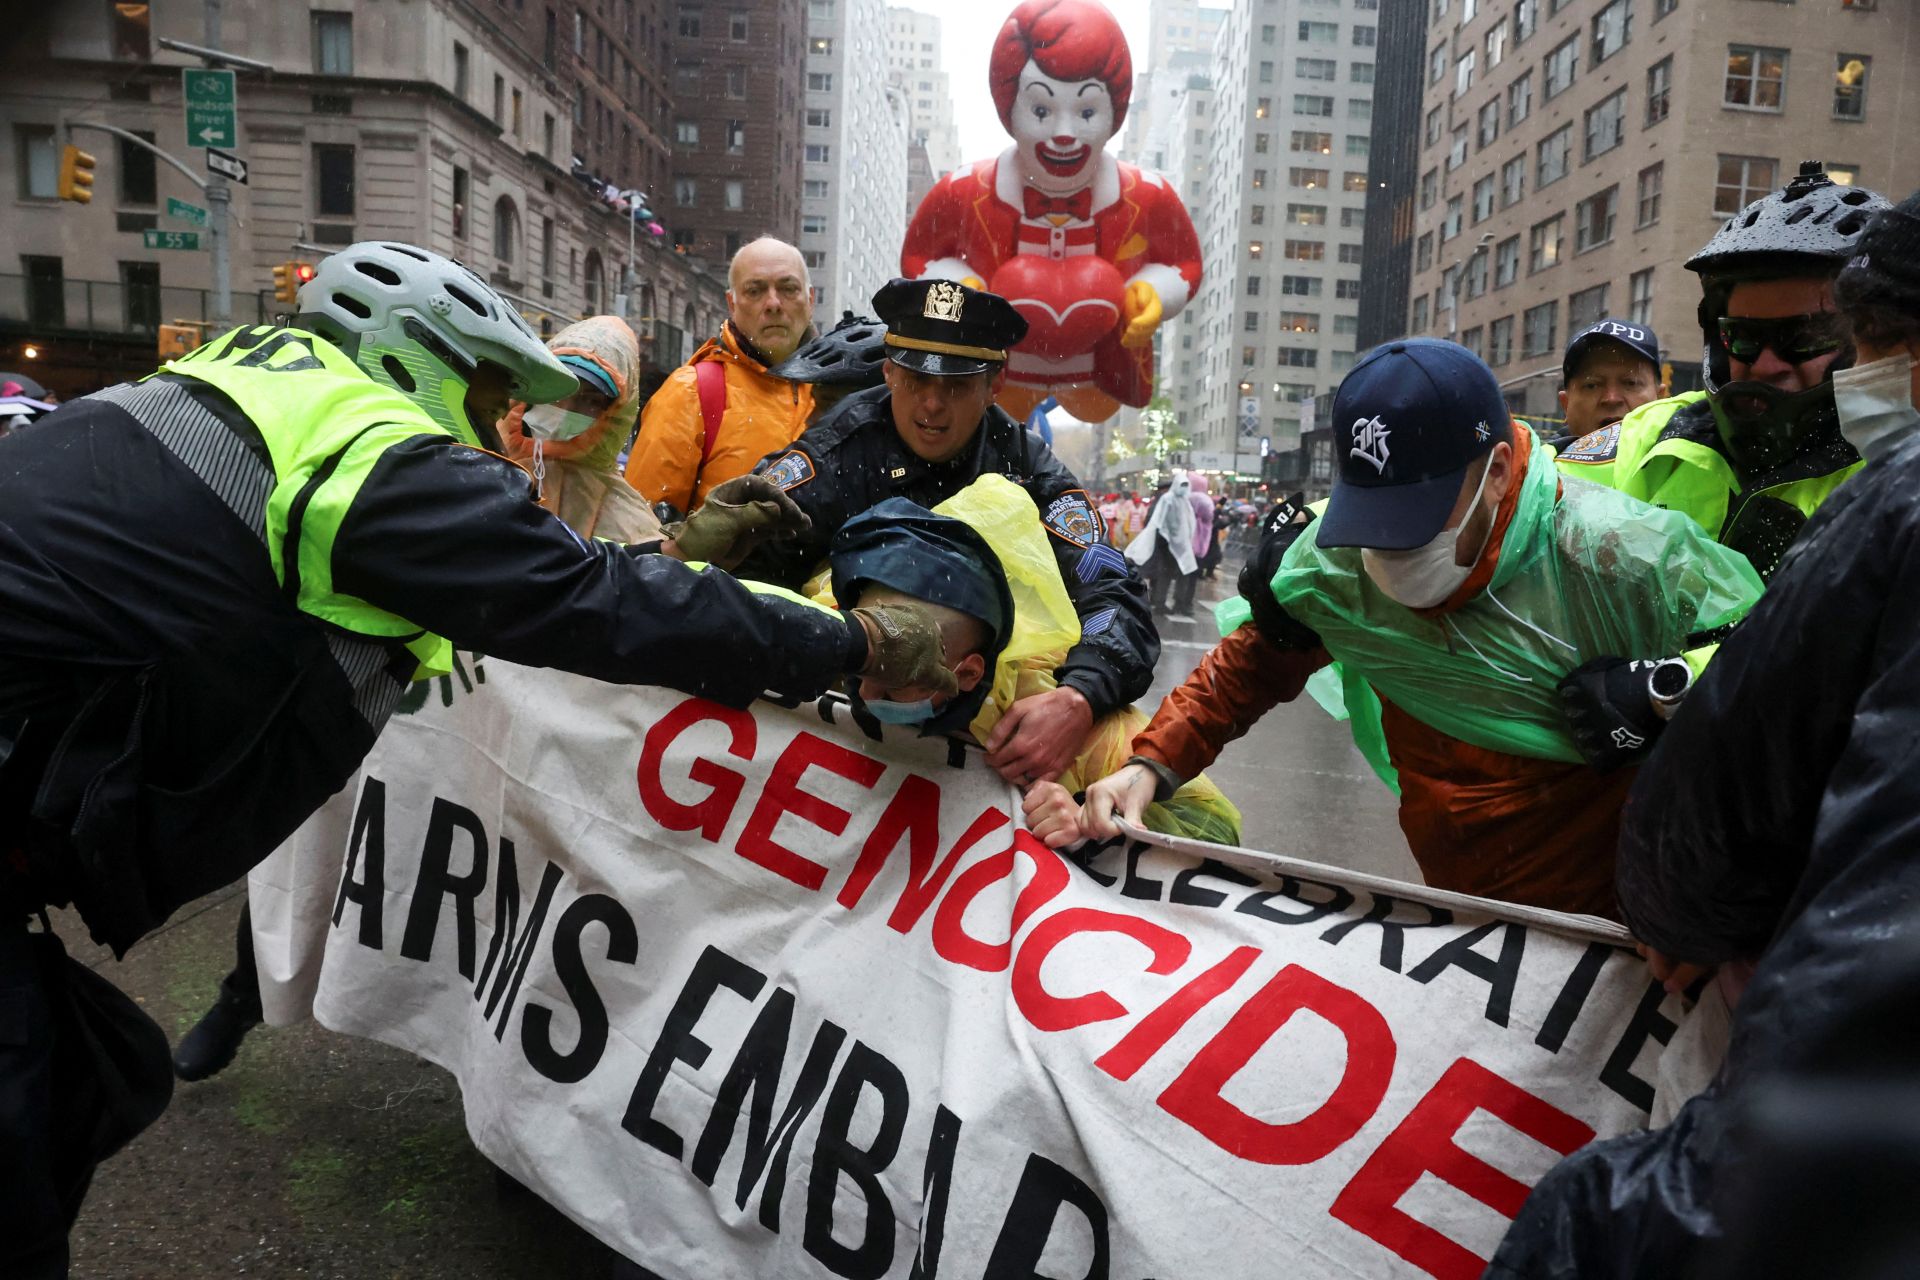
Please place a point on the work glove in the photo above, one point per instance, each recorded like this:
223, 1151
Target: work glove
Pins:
1279, 529
904, 650
734, 519
1610, 712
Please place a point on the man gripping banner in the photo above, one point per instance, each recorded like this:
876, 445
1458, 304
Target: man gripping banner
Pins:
748, 994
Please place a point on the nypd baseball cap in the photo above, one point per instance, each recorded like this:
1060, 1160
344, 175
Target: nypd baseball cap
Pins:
1407, 423
1636, 338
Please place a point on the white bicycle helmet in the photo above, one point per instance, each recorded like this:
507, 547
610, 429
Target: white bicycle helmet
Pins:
421, 324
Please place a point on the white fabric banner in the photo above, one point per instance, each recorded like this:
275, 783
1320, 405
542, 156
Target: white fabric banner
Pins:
747, 994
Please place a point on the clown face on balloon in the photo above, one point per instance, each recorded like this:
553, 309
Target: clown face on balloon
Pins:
1094, 253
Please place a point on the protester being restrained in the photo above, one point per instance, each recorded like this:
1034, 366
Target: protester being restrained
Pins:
928, 434
1459, 583
980, 563
1776, 822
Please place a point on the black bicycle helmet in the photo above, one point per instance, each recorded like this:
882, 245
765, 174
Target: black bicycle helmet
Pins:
849, 355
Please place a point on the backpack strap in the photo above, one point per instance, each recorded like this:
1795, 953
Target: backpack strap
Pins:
710, 377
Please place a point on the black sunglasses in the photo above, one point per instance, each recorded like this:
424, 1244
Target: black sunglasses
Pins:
1795, 339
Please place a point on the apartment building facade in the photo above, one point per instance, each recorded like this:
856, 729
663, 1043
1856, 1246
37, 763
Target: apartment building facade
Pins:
1574, 153
915, 62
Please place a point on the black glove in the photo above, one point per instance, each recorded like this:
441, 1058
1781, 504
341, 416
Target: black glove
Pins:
1279, 529
1609, 708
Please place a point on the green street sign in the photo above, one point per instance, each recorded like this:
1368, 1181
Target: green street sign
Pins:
186, 212
209, 101
170, 239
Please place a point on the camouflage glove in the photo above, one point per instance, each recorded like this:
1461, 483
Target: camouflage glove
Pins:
904, 649
733, 520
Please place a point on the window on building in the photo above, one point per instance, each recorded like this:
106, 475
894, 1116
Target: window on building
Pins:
1450, 225
506, 231
819, 118
686, 133
1429, 189
1248, 355
814, 188
1488, 124
1457, 147
1500, 341
1513, 181
1526, 19
1353, 218
819, 153
1474, 340
1304, 140
1263, 108
1612, 28
1307, 215
1506, 262
1756, 78
1540, 329
686, 192
1476, 275
1318, 32
1266, 72
736, 137
1312, 104
816, 259
1299, 322
1647, 194
1463, 68
1364, 36
1300, 286
1640, 297
1843, 173
1354, 180
1544, 241
1260, 179
1350, 254
140, 286
333, 185
1740, 180
1250, 321
1423, 252
1661, 8
1297, 358
735, 194
1587, 307
1309, 179
1850, 85
1659, 89
332, 43
1417, 322
1496, 45
1358, 144
1437, 64
1519, 99
1303, 251
1593, 220
1482, 199
39, 160
1257, 215
819, 82
499, 100
462, 71
1550, 157
1360, 72
1314, 68
138, 179
1606, 125
462, 201
737, 82
737, 28
1347, 289
1433, 126
1563, 64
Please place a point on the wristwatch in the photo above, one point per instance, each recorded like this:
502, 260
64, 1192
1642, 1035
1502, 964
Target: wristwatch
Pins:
1667, 685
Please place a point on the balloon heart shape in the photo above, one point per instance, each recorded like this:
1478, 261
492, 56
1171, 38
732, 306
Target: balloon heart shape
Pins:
1069, 304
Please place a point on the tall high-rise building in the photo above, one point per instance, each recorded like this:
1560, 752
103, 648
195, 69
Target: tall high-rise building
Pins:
1179, 47
1281, 216
914, 61
853, 198
738, 77
1574, 153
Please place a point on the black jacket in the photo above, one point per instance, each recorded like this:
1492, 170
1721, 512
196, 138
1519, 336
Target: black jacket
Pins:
1779, 817
168, 716
854, 459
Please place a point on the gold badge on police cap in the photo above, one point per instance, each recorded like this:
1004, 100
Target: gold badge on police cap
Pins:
944, 300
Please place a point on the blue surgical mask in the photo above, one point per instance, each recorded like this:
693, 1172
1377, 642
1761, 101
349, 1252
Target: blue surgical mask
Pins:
887, 712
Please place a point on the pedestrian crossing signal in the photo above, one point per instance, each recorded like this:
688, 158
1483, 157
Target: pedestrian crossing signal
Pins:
76, 175
287, 279
177, 340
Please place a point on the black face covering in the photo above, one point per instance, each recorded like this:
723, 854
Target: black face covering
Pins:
1764, 427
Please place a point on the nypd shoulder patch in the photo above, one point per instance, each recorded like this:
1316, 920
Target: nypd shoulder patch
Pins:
1595, 446
1071, 516
1100, 558
791, 470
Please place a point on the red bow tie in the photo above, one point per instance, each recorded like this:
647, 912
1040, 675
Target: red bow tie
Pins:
1078, 205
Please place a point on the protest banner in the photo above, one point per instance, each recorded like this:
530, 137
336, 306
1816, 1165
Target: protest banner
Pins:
746, 994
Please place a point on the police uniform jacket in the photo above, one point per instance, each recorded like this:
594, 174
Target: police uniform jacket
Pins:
854, 458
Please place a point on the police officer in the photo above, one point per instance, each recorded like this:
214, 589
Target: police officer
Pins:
1757, 452
929, 432
216, 583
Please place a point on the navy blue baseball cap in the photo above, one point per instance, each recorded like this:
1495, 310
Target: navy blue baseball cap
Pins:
1636, 338
1407, 423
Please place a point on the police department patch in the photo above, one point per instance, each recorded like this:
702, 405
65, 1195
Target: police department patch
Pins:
1595, 446
1098, 559
1071, 516
792, 470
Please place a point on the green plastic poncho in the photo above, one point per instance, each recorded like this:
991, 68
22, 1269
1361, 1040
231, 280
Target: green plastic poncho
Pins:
1593, 574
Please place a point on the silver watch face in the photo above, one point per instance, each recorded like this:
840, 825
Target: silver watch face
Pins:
1670, 679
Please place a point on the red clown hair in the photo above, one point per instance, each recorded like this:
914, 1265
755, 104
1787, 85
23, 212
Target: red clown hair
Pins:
1067, 39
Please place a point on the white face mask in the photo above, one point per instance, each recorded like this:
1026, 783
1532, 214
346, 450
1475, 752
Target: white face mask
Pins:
551, 422
1876, 403
1424, 576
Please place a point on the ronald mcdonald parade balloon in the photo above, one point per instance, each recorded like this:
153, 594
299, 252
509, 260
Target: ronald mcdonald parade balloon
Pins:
1095, 253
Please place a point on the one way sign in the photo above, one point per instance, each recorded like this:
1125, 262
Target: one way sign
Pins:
227, 165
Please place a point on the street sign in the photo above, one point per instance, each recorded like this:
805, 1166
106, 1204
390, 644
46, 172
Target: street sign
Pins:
227, 166
192, 213
170, 239
209, 100
1266, 446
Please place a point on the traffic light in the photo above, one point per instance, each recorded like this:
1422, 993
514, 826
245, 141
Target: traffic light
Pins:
76, 175
287, 279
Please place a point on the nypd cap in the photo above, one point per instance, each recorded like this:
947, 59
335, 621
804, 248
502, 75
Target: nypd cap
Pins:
944, 329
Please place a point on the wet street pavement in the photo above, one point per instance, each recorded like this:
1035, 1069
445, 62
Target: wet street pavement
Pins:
319, 1155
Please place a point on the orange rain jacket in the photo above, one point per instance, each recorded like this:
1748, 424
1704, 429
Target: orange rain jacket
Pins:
1540, 832
670, 460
